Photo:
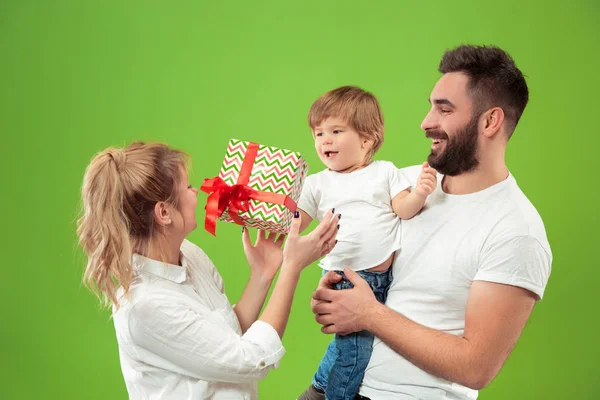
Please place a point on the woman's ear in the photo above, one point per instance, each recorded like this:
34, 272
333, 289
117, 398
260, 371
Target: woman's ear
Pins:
162, 215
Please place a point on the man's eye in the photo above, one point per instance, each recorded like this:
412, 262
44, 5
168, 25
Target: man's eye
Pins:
444, 111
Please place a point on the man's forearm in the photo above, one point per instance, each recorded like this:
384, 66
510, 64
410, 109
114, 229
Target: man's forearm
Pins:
438, 353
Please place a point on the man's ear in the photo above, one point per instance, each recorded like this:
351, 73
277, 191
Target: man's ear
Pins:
492, 121
162, 215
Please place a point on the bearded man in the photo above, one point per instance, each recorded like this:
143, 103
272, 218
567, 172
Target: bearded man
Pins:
473, 263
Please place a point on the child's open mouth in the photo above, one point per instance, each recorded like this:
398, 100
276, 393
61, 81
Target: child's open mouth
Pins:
330, 154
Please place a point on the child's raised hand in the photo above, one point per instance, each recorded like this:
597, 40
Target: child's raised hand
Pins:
427, 181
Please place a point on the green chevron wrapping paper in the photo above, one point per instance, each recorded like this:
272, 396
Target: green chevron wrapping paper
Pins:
274, 170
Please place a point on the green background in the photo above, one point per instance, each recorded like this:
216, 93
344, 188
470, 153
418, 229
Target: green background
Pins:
78, 76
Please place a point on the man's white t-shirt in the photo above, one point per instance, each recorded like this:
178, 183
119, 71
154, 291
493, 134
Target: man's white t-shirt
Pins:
494, 235
369, 229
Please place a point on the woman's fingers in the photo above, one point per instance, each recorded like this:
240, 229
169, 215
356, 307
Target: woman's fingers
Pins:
325, 224
280, 240
247, 243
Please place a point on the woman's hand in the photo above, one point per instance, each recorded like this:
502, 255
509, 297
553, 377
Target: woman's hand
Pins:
301, 251
265, 256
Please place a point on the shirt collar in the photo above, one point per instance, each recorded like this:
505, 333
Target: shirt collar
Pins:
174, 273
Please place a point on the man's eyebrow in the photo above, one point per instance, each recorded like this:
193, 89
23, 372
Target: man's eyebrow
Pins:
442, 102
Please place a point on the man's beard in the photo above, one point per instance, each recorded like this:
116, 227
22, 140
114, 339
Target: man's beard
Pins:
460, 153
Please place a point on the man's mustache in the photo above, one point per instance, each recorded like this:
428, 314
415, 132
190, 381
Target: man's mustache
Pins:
436, 134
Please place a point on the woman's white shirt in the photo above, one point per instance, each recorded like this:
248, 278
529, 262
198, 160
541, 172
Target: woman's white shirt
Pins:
179, 337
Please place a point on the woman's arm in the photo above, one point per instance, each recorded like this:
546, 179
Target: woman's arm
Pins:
251, 301
265, 257
173, 337
299, 252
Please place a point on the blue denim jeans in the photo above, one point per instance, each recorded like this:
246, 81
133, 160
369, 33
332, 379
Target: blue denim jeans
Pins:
342, 368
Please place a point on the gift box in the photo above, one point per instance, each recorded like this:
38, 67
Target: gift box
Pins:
258, 186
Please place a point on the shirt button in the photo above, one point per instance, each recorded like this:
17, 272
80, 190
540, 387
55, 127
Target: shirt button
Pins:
262, 364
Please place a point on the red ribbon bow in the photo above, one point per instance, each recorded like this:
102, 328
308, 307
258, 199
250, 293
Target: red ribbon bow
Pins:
236, 198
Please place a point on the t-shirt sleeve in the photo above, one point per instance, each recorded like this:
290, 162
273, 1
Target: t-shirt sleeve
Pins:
411, 174
308, 201
397, 180
517, 261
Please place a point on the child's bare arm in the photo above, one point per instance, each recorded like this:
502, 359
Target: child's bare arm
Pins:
407, 204
305, 220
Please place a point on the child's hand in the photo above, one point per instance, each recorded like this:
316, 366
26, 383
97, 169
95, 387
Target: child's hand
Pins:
427, 181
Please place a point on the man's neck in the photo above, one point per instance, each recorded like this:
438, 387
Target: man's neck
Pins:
471, 182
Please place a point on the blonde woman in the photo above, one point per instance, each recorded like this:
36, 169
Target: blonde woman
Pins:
178, 335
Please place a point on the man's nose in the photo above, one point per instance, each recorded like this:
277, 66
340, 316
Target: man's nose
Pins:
429, 122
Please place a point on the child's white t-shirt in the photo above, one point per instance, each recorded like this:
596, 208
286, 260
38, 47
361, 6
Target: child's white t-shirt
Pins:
369, 229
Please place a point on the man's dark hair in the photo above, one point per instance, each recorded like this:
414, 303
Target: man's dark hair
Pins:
494, 80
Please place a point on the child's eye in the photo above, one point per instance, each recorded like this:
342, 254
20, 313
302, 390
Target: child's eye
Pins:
337, 131
319, 134
189, 186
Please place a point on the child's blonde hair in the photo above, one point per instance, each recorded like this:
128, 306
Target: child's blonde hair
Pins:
120, 190
357, 107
